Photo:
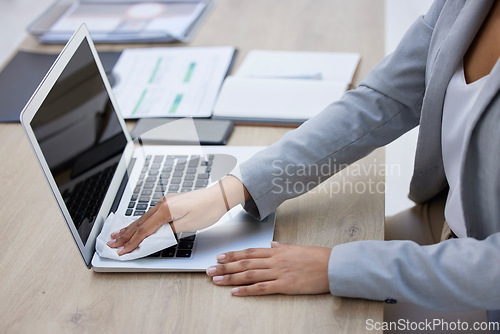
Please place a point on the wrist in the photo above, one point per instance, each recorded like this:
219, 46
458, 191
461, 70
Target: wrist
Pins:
233, 191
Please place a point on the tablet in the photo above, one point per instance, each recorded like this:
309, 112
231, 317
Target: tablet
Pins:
156, 131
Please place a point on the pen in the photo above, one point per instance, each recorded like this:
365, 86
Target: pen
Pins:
304, 76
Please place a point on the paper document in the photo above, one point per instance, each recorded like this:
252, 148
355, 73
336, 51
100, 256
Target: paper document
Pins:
276, 100
170, 82
285, 86
337, 66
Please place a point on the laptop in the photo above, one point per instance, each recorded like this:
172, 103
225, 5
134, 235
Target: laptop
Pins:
94, 168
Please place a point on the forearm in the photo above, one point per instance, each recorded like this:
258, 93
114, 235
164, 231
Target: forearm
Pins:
456, 274
233, 190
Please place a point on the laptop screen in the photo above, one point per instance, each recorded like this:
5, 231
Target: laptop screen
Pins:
81, 138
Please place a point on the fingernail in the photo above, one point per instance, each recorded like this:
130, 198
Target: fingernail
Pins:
119, 250
217, 279
114, 234
235, 291
112, 241
274, 243
211, 270
221, 257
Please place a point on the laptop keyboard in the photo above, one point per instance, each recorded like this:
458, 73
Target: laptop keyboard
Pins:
166, 174
182, 250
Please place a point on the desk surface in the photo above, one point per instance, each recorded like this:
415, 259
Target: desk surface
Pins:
46, 287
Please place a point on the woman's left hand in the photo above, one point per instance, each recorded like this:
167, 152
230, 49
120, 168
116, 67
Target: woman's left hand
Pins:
283, 268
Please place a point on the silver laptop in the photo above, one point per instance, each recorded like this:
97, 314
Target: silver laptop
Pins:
94, 167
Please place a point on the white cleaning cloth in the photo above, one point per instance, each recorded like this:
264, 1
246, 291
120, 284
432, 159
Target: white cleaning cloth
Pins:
162, 238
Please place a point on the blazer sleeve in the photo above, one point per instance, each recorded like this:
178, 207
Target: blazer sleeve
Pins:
385, 105
464, 272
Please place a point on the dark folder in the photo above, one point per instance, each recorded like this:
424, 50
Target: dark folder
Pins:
22, 75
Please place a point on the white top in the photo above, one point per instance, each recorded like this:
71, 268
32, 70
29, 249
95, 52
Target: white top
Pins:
458, 111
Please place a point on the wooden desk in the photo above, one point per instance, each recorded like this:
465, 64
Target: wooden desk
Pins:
45, 286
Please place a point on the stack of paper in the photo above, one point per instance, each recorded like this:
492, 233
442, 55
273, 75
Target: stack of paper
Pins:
284, 86
122, 21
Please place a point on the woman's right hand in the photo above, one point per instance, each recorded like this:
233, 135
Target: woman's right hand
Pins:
191, 211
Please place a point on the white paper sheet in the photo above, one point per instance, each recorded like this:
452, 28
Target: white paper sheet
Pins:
285, 86
170, 82
336, 66
248, 99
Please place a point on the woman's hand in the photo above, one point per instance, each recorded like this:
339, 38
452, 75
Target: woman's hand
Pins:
191, 211
284, 268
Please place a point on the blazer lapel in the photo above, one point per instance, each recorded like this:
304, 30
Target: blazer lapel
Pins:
448, 58
448, 49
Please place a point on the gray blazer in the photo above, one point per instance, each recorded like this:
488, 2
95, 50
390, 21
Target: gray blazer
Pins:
406, 89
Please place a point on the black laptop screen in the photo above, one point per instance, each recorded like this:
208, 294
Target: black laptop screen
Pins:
80, 137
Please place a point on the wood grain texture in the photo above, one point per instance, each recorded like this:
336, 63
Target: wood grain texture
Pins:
45, 286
